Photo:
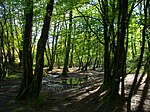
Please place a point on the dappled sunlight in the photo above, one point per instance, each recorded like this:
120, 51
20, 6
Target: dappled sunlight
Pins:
136, 99
129, 80
70, 95
82, 92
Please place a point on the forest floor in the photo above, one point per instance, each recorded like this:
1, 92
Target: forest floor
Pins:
71, 94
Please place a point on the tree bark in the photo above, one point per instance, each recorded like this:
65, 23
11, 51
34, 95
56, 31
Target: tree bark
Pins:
52, 52
107, 75
1, 59
120, 50
36, 85
71, 57
65, 68
27, 53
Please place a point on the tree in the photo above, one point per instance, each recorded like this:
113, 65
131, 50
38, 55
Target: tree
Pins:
51, 52
65, 68
36, 85
27, 56
3, 57
146, 4
120, 48
31, 86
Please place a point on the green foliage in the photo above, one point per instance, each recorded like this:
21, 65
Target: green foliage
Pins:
14, 11
13, 76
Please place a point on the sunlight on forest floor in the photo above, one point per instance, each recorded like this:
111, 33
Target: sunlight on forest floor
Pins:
65, 95
136, 99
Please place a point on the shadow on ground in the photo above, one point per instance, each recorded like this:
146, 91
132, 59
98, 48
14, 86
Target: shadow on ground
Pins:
79, 98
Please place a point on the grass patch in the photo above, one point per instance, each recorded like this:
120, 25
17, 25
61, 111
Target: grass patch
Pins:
13, 76
74, 81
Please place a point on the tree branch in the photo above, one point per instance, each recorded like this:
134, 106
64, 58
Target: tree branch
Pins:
90, 26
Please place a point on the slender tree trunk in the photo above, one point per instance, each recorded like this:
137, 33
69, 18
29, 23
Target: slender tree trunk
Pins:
36, 85
71, 57
58, 61
34, 41
12, 39
52, 55
27, 55
1, 59
140, 59
107, 76
52, 52
94, 66
119, 63
55, 48
65, 68
19, 44
47, 57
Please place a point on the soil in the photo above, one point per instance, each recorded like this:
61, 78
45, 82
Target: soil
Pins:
8, 90
69, 98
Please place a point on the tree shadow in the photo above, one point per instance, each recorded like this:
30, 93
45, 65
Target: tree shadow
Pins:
86, 104
96, 102
144, 95
139, 83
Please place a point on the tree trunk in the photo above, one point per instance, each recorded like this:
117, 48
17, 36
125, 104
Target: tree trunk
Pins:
1, 59
140, 59
94, 66
65, 68
48, 60
36, 85
120, 50
52, 52
34, 41
71, 57
58, 61
48, 56
107, 76
12, 39
27, 55
19, 44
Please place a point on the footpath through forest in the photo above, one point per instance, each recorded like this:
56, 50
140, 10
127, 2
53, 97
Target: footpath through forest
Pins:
71, 94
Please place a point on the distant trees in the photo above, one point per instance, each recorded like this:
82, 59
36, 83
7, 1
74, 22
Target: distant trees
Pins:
51, 51
66, 60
